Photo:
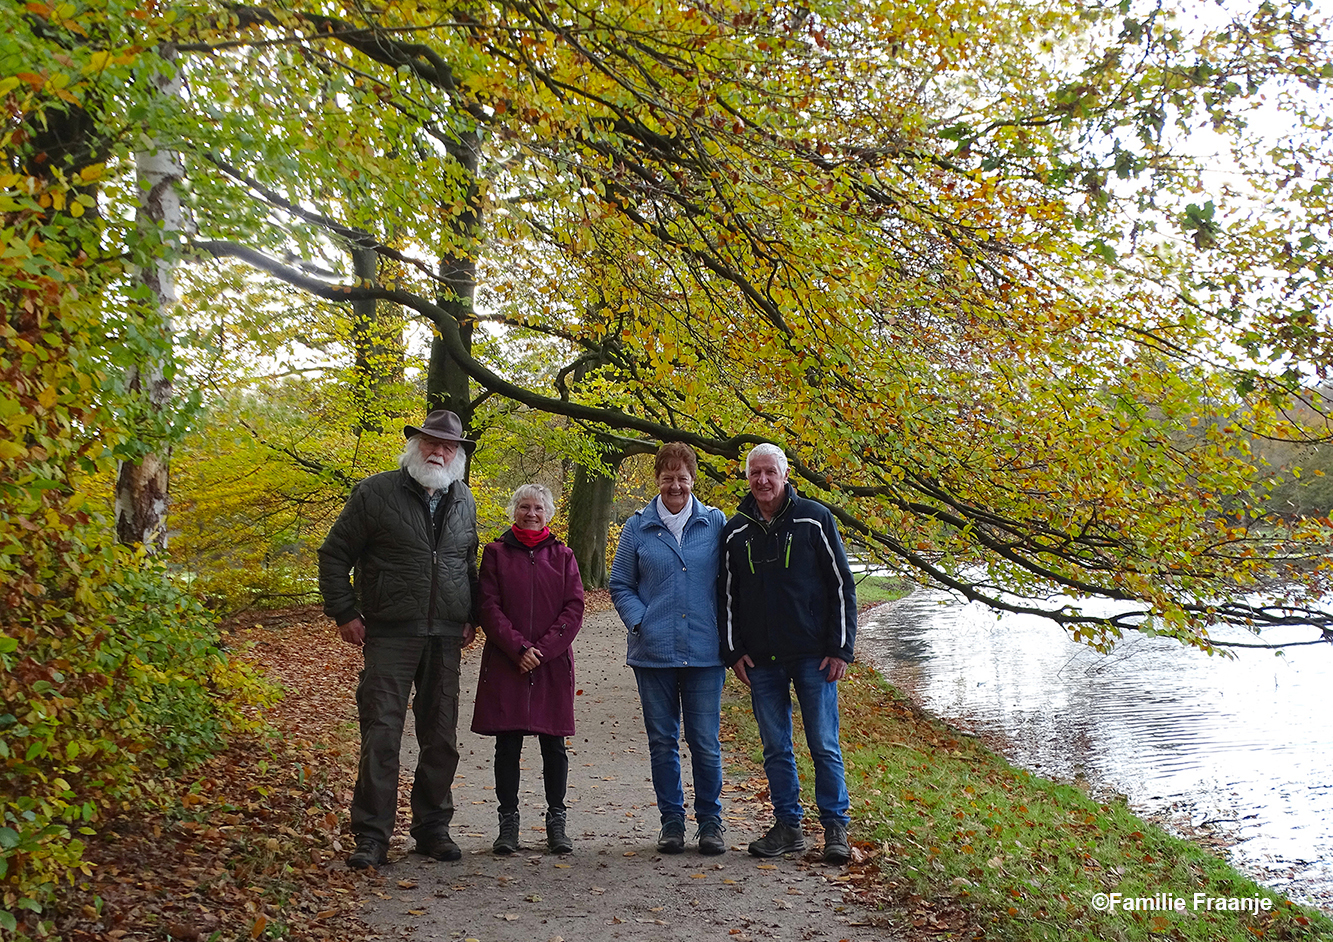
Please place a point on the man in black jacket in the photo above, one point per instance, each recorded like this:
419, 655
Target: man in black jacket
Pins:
788, 619
411, 537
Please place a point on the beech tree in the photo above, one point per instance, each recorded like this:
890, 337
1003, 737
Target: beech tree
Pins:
967, 264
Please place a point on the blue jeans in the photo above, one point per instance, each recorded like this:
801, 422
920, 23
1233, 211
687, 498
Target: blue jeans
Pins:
666, 693
770, 697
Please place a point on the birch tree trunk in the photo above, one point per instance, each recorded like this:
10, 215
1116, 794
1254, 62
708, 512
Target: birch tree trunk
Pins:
142, 486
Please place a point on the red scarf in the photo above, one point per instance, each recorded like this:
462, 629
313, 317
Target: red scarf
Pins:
530, 538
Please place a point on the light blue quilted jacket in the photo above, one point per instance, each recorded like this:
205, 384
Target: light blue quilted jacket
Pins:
666, 593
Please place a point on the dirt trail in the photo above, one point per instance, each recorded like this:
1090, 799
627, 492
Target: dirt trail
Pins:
615, 886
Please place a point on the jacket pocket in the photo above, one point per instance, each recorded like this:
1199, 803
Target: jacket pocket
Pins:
391, 597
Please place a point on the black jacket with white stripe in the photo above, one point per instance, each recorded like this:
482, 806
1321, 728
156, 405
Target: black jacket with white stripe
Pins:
785, 590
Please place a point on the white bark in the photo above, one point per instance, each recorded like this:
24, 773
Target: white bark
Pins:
142, 488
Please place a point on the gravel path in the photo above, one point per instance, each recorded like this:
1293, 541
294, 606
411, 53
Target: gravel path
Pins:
615, 886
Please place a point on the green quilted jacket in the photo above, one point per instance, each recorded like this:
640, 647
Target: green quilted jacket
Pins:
409, 581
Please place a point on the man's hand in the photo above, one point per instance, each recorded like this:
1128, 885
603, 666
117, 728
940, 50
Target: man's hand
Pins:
354, 632
740, 668
530, 661
469, 633
837, 668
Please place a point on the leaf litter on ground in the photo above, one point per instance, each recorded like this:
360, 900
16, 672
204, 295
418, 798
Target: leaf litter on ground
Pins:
251, 843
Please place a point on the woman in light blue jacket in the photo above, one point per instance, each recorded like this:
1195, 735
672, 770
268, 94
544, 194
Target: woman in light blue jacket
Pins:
664, 585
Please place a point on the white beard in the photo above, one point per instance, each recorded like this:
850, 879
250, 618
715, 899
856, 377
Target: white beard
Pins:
430, 475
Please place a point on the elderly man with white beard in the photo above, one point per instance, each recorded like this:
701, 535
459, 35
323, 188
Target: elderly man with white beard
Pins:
410, 536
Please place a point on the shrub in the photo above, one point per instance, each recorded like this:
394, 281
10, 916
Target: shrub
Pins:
108, 672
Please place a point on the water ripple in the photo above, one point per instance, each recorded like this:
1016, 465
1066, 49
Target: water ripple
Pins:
1153, 720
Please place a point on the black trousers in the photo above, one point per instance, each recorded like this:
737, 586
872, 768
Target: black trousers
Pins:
392, 667
555, 770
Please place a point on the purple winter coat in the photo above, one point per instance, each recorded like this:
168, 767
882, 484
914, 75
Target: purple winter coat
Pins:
529, 598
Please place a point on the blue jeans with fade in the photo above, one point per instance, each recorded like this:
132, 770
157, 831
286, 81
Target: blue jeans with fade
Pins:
770, 697
666, 694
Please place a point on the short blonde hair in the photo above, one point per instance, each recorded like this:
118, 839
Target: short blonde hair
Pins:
524, 491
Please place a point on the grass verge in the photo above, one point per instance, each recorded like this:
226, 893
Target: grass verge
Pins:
872, 590
957, 843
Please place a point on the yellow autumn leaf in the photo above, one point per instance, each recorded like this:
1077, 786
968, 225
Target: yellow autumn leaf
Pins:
10, 450
98, 61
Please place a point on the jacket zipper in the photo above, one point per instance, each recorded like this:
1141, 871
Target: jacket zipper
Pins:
434, 553
434, 564
766, 529
532, 611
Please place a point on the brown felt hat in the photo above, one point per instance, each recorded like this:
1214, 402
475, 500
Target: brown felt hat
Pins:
442, 425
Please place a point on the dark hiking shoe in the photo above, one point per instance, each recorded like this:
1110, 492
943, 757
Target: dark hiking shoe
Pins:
438, 845
557, 841
671, 840
836, 848
369, 853
710, 837
507, 842
780, 839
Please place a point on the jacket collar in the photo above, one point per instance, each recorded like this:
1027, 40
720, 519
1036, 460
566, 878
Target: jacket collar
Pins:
749, 507
651, 516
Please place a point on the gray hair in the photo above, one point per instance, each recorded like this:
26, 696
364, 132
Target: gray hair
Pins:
772, 451
525, 491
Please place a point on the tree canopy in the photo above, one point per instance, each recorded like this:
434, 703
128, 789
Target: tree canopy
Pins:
1014, 286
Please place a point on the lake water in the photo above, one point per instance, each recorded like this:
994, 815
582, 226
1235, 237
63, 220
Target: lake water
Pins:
1241, 745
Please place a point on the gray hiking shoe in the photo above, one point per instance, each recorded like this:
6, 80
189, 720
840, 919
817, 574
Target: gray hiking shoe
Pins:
557, 841
836, 848
507, 842
780, 839
710, 837
672, 838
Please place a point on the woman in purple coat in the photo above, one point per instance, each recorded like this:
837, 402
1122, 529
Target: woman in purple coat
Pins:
531, 608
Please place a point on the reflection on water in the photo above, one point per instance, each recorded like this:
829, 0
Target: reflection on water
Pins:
1245, 742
